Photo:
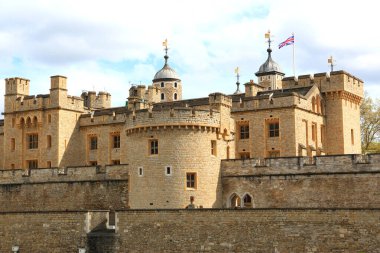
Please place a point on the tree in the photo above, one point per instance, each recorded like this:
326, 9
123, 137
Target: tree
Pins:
370, 124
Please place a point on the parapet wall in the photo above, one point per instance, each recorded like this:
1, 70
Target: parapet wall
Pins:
327, 82
301, 165
76, 188
173, 117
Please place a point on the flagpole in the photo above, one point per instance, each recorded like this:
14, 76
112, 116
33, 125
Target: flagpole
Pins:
294, 68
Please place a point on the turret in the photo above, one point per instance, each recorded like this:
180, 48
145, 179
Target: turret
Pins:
14, 88
58, 90
168, 81
270, 74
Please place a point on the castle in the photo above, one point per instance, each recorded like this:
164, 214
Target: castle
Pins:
174, 147
277, 165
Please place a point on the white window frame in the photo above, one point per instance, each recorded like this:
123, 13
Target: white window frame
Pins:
166, 171
140, 169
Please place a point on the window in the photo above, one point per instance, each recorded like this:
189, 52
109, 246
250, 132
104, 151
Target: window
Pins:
116, 141
244, 132
115, 162
175, 85
13, 166
32, 164
93, 142
162, 85
49, 118
235, 200
213, 147
33, 141
274, 129
162, 96
244, 155
48, 141
93, 163
13, 122
175, 96
48, 164
13, 144
168, 170
153, 147
352, 137
140, 171
191, 180
247, 200
314, 131
313, 104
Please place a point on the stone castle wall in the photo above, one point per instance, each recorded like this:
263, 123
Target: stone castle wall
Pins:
244, 230
73, 188
331, 182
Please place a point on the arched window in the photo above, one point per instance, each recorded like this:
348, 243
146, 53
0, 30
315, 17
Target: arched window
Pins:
22, 122
162, 96
162, 85
313, 104
175, 96
247, 200
175, 85
35, 121
28, 122
235, 201
318, 101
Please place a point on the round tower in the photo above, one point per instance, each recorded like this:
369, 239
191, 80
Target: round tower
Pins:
168, 81
175, 153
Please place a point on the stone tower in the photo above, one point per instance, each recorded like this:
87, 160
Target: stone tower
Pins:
168, 81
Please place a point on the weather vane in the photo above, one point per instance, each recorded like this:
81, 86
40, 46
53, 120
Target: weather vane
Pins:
165, 45
331, 61
267, 36
237, 80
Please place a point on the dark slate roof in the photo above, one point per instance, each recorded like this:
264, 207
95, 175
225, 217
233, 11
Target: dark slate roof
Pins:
285, 92
107, 111
182, 103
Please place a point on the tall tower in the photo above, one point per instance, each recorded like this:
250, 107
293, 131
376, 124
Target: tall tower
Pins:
270, 74
167, 80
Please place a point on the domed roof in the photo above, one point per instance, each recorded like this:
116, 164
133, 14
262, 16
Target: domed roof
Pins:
166, 73
269, 66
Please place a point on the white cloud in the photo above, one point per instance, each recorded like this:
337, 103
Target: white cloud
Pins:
208, 39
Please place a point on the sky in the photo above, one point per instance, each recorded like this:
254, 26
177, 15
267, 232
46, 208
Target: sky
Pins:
111, 45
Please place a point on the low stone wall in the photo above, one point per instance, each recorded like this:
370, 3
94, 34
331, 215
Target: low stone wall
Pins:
44, 232
79, 188
198, 230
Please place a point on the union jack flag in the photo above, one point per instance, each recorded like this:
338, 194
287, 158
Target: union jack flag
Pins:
288, 41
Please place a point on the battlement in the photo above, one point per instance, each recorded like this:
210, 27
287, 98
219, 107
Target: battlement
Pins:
17, 86
69, 174
327, 82
355, 163
173, 117
93, 101
270, 99
44, 101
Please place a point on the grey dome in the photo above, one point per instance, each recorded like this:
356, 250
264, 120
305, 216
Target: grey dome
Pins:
269, 66
166, 73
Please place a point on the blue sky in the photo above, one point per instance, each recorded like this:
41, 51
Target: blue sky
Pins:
109, 45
